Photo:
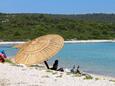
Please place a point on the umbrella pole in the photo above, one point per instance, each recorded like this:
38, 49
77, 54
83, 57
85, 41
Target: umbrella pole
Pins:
46, 64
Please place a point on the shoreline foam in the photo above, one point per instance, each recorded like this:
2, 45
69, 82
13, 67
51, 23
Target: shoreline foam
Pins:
88, 41
72, 41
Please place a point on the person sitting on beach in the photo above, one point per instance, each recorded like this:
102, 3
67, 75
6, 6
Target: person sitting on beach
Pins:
77, 70
55, 65
73, 69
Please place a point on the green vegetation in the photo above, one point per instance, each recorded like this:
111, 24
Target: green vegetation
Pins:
46, 76
69, 73
59, 76
112, 80
77, 75
96, 78
54, 73
14, 27
88, 77
9, 61
50, 71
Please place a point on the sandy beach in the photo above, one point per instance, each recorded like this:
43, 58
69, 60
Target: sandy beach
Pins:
18, 75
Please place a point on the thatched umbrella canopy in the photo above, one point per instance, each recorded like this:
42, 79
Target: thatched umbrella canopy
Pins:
21, 45
39, 49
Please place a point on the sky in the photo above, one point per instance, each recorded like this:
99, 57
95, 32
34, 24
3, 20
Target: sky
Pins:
57, 6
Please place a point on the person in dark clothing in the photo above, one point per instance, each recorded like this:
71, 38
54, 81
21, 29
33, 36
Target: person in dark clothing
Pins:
55, 65
77, 70
61, 69
45, 62
73, 69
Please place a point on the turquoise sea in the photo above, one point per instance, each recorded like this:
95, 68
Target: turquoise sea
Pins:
97, 58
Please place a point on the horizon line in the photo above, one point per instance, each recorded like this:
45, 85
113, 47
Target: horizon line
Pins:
55, 13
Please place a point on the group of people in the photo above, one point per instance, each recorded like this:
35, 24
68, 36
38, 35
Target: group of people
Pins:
73, 70
55, 67
2, 56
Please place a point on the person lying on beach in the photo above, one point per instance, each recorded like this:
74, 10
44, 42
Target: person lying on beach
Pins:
55, 66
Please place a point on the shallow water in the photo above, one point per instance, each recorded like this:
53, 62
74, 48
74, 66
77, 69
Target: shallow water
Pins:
98, 58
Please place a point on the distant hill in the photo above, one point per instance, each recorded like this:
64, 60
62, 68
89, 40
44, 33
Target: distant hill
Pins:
109, 18
26, 26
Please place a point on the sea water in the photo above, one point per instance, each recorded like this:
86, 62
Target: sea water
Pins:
97, 58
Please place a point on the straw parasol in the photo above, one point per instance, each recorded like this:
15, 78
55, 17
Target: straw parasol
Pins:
39, 49
21, 45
